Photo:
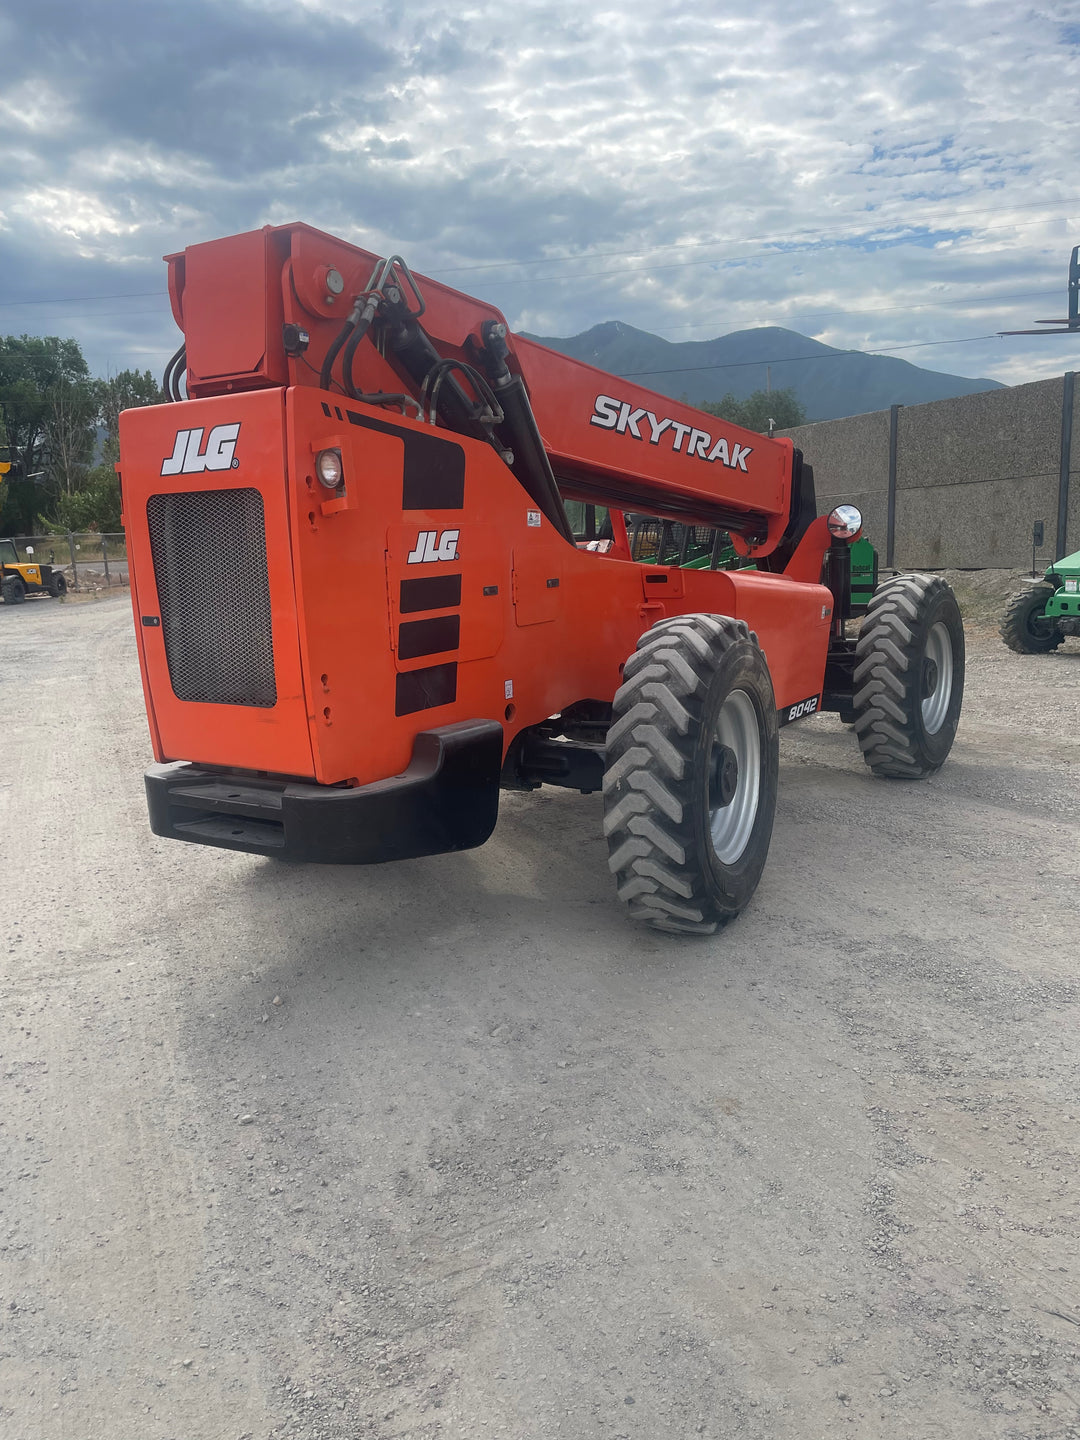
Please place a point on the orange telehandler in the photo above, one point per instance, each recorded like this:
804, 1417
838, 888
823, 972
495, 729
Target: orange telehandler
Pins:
361, 608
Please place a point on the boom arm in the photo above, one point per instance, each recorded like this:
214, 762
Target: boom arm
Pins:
291, 306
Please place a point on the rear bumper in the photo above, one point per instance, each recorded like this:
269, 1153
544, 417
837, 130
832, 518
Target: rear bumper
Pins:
448, 799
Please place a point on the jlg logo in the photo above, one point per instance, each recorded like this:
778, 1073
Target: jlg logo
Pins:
189, 458
431, 545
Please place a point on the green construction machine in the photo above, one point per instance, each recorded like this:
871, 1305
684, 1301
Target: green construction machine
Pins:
1038, 619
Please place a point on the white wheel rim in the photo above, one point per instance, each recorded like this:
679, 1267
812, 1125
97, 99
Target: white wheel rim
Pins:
936, 705
730, 825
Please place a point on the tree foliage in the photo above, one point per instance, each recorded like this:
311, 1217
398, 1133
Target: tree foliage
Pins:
42, 387
126, 391
97, 505
755, 412
57, 421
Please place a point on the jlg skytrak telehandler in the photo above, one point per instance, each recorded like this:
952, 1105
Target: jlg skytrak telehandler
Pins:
361, 609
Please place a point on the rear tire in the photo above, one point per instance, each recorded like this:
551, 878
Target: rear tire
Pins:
909, 676
14, 590
1024, 627
692, 762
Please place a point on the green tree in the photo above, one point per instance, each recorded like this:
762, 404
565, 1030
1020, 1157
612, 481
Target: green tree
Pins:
50, 411
46, 405
755, 412
127, 390
97, 505
5, 468
70, 434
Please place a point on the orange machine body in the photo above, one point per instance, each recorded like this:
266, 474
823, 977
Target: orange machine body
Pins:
291, 631
498, 616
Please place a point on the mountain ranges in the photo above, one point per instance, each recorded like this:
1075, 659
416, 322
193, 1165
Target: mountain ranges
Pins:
827, 382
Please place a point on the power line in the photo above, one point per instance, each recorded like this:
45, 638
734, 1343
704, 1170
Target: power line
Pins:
79, 299
922, 344
872, 310
924, 305
70, 317
793, 359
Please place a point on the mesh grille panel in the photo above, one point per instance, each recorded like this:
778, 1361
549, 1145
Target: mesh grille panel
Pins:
209, 549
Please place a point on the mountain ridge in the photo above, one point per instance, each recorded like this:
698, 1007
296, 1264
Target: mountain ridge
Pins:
829, 383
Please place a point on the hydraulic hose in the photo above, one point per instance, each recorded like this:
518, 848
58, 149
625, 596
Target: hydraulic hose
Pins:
363, 325
409, 345
170, 381
383, 397
332, 354
361, 316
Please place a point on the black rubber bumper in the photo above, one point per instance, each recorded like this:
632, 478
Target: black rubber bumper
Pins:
448, 799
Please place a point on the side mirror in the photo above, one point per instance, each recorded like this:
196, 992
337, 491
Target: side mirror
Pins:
845, 522
29, 549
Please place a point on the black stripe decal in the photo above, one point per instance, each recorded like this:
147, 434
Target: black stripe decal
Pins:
428, 637
427, 688
434, 475
429, 592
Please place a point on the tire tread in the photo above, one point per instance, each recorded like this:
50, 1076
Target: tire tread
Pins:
650, 748
886, 675
1014, 629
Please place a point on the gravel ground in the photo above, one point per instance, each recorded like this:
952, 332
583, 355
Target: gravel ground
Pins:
450, 1149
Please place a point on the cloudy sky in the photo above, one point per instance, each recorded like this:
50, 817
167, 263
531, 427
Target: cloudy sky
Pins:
876, 175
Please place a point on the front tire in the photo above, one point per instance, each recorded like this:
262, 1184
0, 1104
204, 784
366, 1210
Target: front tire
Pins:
909, 676
58, 585
1024, 626
690, 785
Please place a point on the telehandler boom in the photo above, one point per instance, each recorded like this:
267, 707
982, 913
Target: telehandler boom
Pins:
361, 608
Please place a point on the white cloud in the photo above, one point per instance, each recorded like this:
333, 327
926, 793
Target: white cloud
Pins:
78, 215
866, 158
35, 107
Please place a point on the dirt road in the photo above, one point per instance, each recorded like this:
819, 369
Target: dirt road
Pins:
450, 1149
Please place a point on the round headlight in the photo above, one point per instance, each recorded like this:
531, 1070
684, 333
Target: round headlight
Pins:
845, 522
328, 468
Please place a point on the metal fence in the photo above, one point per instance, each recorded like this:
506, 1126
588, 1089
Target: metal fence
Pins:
90, 561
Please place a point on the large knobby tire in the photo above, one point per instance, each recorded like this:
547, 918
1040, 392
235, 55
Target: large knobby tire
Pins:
690, 785
1024, 626
14, 590
58, 585
909, 676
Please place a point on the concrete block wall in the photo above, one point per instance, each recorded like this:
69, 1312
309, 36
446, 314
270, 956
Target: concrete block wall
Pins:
972, 475
851, 465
